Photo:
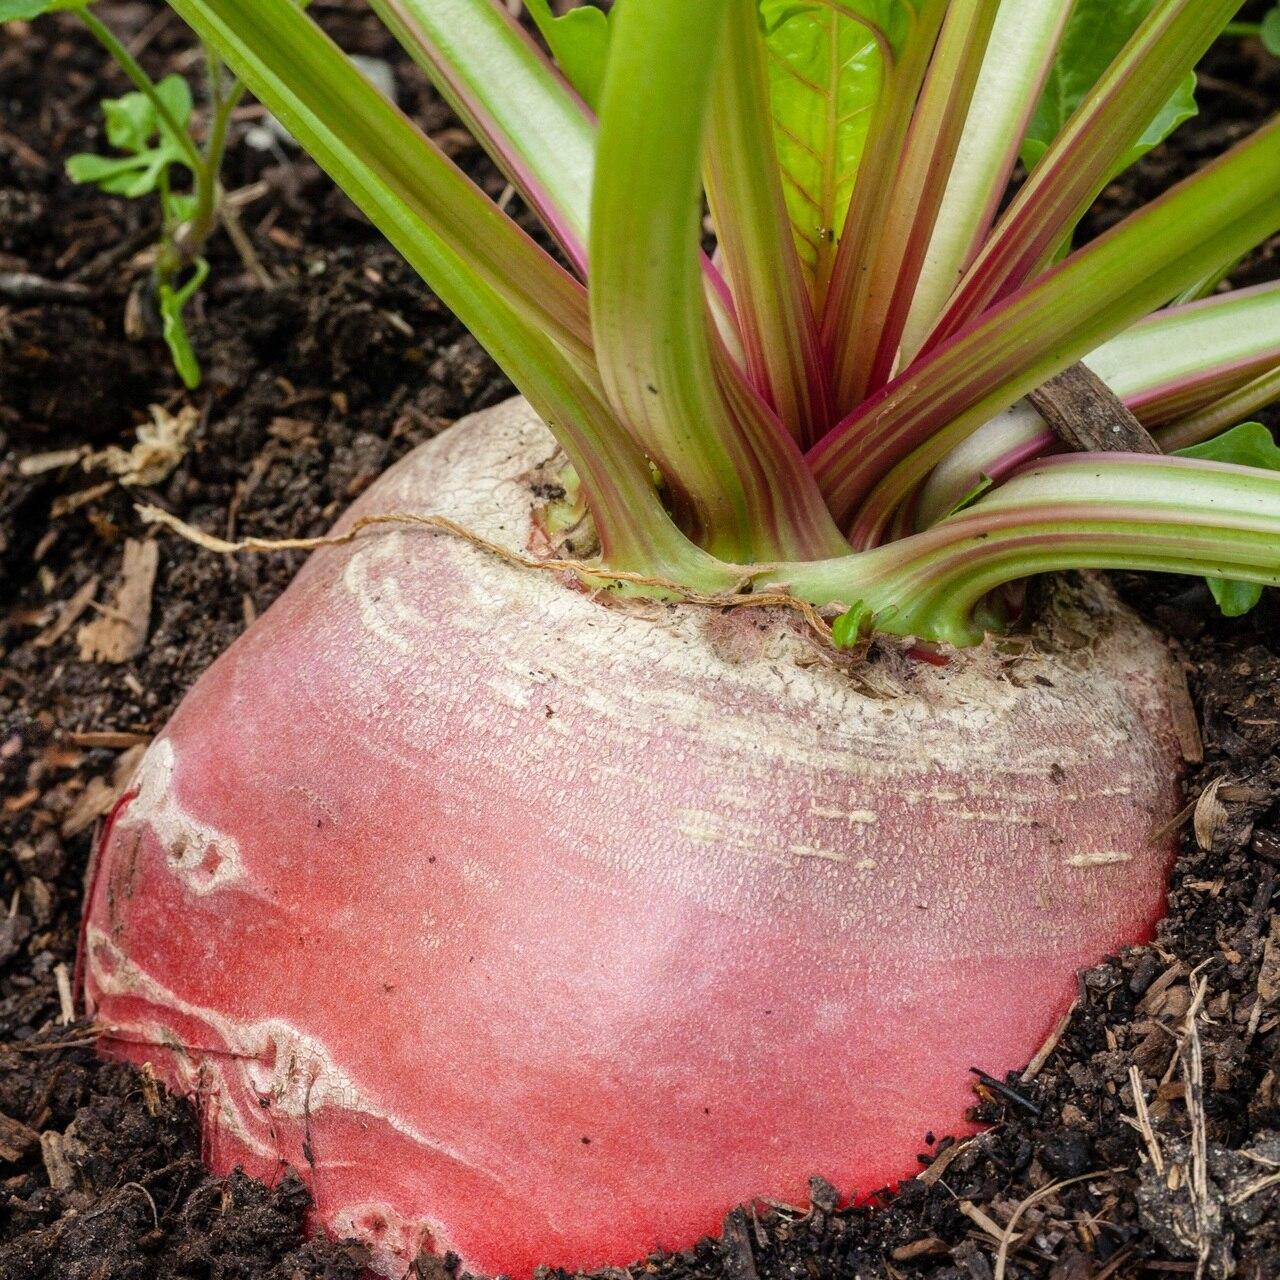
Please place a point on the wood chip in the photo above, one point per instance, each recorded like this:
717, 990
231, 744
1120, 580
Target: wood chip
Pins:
15, 1139
121, 632
739, 1259
94, 801
100, 795
939, 1166
1186, 724
980, 1219
1269, 976
66, 1005
925, 1247
1154, 996
23, 800
1043, 1054
68, 615
1086, 414
57, 1165
126, 766
112, 739
70, 502
36, 464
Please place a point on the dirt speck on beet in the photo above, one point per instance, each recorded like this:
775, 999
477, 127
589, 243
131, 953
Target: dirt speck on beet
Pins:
1144, 1141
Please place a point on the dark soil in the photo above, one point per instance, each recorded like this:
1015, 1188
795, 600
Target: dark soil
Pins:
311, 389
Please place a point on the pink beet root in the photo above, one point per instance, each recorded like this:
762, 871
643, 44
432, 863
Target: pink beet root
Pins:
547, 928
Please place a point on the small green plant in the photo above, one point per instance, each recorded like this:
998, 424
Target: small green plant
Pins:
156, 153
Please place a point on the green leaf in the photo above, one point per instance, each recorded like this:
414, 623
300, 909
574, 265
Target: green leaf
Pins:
984, 483
825, 76
180, 207
1096, 32
849, 628
1248, 445
172, 302
134, 127
129, 176
132, 121
25, 10
579, 41
1271, 31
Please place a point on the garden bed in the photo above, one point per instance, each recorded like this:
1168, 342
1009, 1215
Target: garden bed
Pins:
311, 389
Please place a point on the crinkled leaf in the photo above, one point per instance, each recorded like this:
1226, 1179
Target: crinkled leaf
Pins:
132, 121
1096, 32
120, 175
825, 76
134, 127
1248, 445
579, 41
25, 10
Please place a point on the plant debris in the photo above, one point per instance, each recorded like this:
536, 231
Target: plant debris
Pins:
121, 631
161, 444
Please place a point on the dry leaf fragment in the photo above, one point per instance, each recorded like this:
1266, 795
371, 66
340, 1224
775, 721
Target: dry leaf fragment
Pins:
99, 796
1211, 814
162, 443
95, 800
121, 632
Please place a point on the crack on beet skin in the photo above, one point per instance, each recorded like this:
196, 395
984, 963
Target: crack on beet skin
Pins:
205, 859
252, 1076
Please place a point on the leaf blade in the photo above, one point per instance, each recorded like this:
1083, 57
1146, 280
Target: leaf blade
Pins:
1249, 445
826, 72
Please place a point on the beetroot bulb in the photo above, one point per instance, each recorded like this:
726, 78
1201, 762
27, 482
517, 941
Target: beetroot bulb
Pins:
546, 927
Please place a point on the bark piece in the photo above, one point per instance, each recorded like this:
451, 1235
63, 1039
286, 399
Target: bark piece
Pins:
15, 1139
121, 632
1086, 414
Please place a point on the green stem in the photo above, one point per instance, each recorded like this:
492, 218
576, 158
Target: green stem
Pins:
1242, 29
739, 483
748, 207
1223, 414
186, 243
1081, 511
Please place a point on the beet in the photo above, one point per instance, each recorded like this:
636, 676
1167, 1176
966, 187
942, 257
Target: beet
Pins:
546, 926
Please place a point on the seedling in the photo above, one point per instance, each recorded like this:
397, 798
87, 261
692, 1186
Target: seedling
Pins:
150, 131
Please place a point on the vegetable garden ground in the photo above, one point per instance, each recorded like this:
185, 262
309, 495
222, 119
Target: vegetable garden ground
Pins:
311, 388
